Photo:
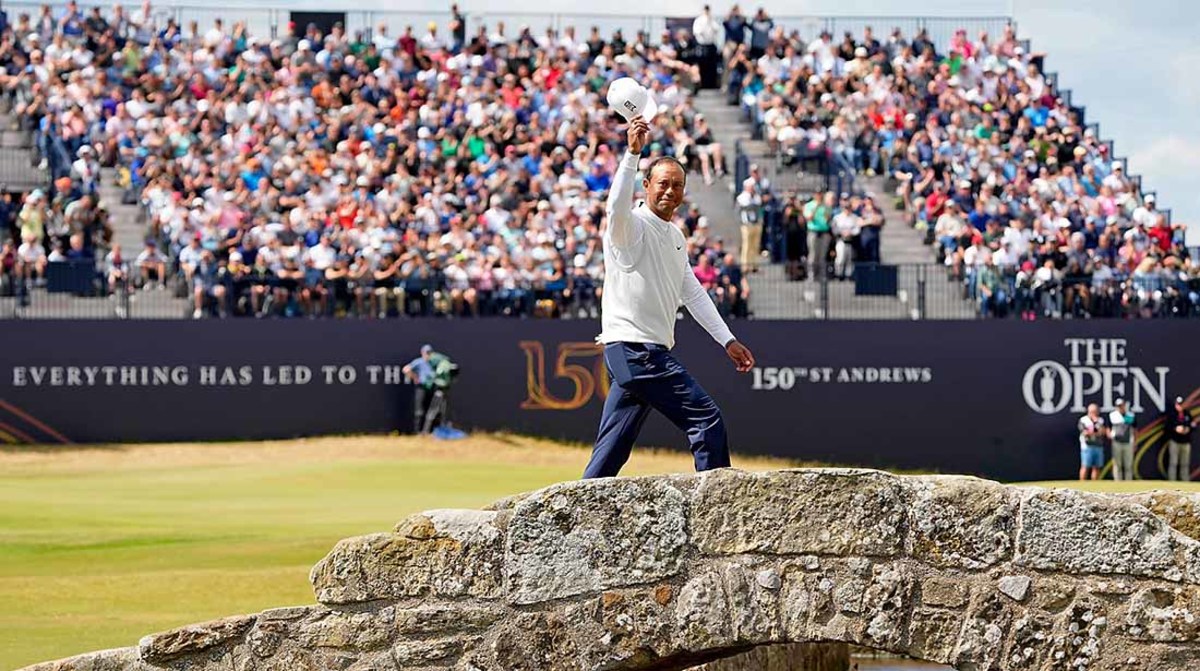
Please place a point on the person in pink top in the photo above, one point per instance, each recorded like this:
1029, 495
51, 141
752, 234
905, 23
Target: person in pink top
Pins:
706, 273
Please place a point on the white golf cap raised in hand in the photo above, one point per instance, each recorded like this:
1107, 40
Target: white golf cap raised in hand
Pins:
629, 99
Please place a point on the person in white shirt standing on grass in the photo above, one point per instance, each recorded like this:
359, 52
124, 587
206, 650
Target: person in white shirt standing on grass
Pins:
1092, 433
647, 276
1121, 422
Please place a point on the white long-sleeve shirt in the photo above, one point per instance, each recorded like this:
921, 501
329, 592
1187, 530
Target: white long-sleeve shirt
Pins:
705, 30
647, 274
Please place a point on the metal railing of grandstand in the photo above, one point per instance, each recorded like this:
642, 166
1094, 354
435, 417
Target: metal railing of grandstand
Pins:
867, 291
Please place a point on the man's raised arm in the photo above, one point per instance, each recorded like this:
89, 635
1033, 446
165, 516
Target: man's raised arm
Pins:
623, 231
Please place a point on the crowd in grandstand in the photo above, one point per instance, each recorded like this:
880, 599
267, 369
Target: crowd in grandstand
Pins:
427, 173
1023, 202
460, 172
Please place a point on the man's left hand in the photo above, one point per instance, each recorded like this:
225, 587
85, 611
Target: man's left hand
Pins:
741, 356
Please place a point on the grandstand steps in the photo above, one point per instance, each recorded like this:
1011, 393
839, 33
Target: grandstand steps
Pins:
15, 139
129, 229
716, 200
18, 164
898, 243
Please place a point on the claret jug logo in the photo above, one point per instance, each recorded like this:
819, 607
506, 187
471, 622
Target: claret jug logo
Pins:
1093, 370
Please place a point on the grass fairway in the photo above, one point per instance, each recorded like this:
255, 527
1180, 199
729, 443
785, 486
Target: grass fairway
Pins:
100, 546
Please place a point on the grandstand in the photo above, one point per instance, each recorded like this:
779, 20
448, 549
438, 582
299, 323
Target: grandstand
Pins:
170, 162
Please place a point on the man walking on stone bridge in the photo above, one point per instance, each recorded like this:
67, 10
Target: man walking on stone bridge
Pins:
647, 276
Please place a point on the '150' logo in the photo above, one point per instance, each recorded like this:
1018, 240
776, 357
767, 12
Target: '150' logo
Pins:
582, 363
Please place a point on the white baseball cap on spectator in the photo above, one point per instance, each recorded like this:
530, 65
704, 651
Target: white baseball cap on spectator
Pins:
629, 99
362, 181
1117, 165
1151, 198
304, 45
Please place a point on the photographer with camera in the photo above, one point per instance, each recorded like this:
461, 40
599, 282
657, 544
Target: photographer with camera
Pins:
433, 373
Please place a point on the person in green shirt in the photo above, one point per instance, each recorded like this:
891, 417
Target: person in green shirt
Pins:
993, 298
433, 374
818, 213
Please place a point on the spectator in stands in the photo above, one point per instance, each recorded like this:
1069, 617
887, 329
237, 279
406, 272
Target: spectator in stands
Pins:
1177, 427
749, 204
993, 298
151, 266
847, 225
953, 235
31, 260
760, 33
818, 217
1092, 434
1123, 425
795, 238
870, 227
735, 30
708, 150
733, 290
706, 31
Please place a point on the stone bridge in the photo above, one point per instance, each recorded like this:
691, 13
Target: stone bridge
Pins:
670, 572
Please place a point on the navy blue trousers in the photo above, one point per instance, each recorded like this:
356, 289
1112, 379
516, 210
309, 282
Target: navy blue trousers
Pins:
646, 377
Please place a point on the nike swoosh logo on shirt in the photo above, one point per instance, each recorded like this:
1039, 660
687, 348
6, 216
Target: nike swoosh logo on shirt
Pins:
679, 248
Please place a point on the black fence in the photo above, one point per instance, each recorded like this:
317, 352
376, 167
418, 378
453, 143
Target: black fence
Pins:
864, 291
781, 291
996, 399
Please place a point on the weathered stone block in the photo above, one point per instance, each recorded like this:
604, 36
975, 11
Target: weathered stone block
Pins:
355, 631
193, 638
1079, 533
1031, 643
444, 618
945, 592
582, 537
934, 634
1181, 510
961, 522
984, 628
1164, 615
461, 558
885, 607
424, 652
827, 511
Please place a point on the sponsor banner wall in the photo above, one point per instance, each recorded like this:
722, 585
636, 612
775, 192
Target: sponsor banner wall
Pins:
999, 399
